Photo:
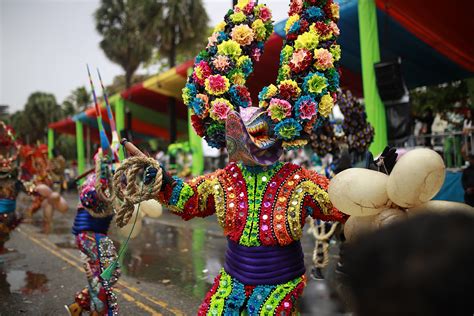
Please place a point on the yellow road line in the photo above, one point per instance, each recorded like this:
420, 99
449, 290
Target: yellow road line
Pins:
127, 285
74, 264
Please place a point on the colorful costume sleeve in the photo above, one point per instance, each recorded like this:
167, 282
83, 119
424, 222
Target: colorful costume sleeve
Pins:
316, 201
193, 198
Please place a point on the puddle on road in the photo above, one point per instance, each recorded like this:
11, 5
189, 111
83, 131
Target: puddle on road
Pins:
22, 282
185, 257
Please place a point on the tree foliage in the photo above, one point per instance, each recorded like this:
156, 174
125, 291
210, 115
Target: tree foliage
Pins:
77, 101
129, 29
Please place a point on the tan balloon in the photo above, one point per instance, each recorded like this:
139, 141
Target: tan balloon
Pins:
125, 231
389, 216
151, 208
357, 226
416, 178
440, 207
43, 190
62, 205
359, 192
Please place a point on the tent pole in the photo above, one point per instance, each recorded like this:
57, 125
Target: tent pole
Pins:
370, 54
80, 147
50, 142
119, 107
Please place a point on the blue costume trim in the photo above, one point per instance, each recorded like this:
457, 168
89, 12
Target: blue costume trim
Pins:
86, 222
7, 206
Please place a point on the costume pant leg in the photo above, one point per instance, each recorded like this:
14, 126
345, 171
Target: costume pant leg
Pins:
278, 300
226, 297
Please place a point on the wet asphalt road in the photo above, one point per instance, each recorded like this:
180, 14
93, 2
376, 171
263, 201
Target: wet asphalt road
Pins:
166, 270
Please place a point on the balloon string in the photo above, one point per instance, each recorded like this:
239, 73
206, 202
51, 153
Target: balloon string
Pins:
107, 274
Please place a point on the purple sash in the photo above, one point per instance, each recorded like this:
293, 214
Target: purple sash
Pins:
264, 265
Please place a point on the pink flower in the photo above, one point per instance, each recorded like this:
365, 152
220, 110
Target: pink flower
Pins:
265, 14
212, 39
334, 28
221, 62
217, 84
279, 109
307, 110
324, 59
220, 109
201, 72
295, 7
256, 53
249, 7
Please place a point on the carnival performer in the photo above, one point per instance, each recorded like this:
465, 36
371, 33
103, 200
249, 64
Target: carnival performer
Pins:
57, 165
10, 185
91, 225
260, 203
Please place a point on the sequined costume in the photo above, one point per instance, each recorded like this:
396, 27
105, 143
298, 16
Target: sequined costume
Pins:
10, 185
98, 252
262, 211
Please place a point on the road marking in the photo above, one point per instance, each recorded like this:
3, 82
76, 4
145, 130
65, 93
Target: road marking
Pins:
74, 264
125, 284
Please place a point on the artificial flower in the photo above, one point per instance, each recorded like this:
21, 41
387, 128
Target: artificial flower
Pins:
307, 40
300, 60
198, 125
245, 63
237, 17
333, 79
237, 77
198, 107
217, 84
315, 83
288, 129
322, 29
229, 48
314, 13
335, 50
309, 125
335, 11
279, 109
289, 89
221, 63
212, 40
306, 108
286, 54
294, 144
291, 20
268, 92
241, 4
189, 92
294, 28
215, 135
265, 14
201, 72
284, 73
295, 7
220, 107
324, 59
256, 54
325, 105
259, 29
220, 27
240, 96
334, 28
242, 34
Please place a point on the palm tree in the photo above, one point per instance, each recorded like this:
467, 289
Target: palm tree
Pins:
183, 30
77, 101
129, 30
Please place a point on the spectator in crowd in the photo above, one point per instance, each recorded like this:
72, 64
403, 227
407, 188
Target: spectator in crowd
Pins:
421, 266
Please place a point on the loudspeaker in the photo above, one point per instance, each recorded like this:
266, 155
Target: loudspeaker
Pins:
399, 122
390, 81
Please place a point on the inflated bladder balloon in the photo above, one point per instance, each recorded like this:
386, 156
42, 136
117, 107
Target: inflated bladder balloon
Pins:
125, 231
151, 208
62, 205
54, 198
358, 225
359, 192
389, 216
43, 190
416, 178
440, 207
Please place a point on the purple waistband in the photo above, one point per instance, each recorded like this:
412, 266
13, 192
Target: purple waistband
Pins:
264, 265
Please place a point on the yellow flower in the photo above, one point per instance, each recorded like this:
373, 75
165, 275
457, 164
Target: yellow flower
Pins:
220, 27
259, 29
237, 17
284, 73
325, 105
242, 4
272, 90
335, 10
242, 60
294, 143
263, 104
242, 34
286, 53
307, 40
238, 78
335, 51
229, 48
291, 20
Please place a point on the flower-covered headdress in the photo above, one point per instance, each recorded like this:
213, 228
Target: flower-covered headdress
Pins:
308, 78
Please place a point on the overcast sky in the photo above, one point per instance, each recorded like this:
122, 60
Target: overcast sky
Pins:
45, 45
